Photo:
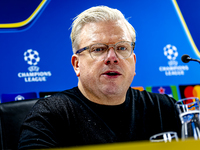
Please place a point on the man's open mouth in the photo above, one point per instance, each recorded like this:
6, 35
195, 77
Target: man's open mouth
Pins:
112, 73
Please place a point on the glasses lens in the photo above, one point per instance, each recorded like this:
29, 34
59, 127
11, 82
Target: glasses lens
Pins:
124, 49
98, 51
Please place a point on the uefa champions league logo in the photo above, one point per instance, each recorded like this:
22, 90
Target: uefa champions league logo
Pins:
32, 58
34, 75
171, 52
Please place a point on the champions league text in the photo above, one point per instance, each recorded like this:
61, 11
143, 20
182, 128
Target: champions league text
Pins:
34, 76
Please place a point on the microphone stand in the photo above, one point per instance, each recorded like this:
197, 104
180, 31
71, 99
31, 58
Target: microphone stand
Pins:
191, 59
186, 58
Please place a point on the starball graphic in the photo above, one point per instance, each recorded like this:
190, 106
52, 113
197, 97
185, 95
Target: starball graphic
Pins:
32, 57
34, 75
171, 53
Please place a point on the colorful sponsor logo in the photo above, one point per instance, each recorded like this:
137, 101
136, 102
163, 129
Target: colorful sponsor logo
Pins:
140, 88
187, 91
169, 90
17, 15
172, 69
188, 13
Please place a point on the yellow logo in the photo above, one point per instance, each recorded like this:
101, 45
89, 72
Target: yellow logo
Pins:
186, 27
27, 20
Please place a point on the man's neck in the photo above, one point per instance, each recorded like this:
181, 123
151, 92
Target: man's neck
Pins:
102, 99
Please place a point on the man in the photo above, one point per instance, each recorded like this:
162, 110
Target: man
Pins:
103, 108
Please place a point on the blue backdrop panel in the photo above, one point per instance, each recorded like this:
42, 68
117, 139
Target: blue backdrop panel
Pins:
35, 46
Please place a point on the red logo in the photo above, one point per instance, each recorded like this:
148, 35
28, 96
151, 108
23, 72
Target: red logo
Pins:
189, 91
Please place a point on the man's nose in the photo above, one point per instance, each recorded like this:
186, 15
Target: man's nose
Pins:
111, 57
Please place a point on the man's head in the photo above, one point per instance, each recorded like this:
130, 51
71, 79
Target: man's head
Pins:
103, 43
97, 14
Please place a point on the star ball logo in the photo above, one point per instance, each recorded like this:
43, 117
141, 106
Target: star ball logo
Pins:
32, 57
34, 75
173, 69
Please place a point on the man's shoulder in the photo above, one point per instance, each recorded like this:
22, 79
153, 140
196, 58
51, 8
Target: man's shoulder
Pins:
60, 99
149, 97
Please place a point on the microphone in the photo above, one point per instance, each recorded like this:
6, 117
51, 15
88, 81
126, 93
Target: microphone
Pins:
186, 58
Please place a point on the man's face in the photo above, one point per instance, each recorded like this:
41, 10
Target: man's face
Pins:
96, 78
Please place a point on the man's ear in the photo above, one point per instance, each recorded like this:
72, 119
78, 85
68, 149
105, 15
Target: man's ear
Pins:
75, 64
135, 63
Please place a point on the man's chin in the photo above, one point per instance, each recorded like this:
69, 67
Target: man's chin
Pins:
112, 90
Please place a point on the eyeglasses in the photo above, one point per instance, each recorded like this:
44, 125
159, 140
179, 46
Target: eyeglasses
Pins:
99, 51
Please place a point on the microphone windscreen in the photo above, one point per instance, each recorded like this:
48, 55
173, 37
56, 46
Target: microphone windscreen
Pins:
185, 58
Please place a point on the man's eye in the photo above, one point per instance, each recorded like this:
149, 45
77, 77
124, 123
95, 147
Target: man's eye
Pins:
98, 49
122, 48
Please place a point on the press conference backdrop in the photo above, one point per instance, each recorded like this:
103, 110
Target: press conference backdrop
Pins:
35, 46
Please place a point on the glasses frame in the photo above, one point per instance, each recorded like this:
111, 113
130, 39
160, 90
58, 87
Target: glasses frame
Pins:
109, 45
